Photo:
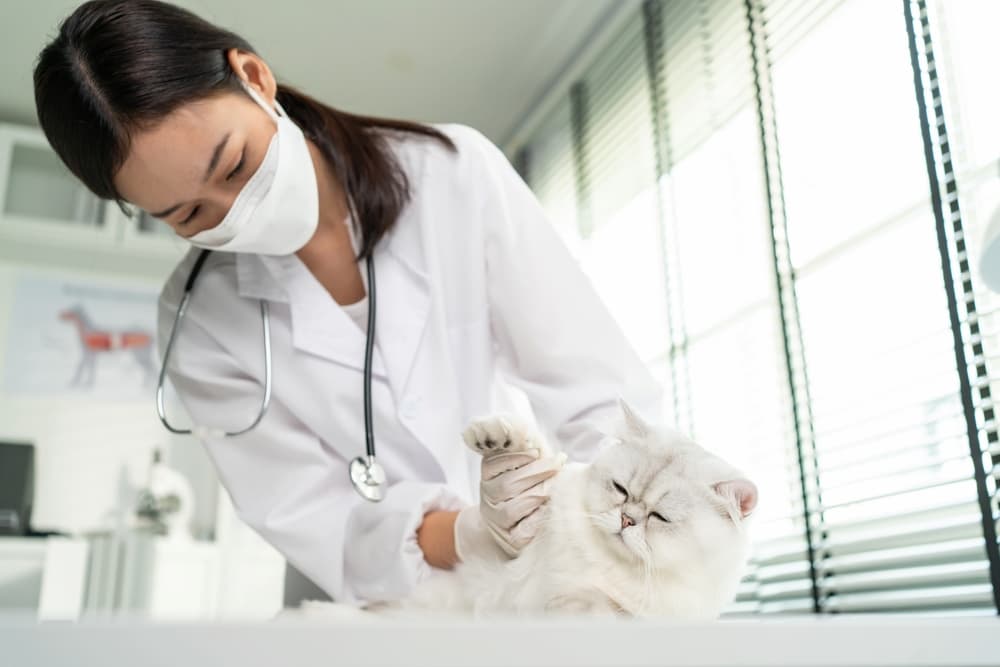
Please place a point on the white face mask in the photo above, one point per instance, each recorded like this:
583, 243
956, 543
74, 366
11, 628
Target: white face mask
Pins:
277, 211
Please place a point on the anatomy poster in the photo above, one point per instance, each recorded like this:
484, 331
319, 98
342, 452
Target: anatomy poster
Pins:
74, 337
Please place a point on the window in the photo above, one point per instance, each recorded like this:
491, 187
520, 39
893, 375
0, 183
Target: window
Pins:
745, 182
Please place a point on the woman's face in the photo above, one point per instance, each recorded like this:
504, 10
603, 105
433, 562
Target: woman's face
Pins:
188, 168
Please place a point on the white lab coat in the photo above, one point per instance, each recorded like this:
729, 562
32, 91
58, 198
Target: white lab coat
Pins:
474, 290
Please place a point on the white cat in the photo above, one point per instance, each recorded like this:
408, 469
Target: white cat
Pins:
654, 526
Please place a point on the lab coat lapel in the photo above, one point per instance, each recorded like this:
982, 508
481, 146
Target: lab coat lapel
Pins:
402, 294
319, 326
414, 356
405, 335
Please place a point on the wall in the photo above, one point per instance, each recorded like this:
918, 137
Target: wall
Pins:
92, 454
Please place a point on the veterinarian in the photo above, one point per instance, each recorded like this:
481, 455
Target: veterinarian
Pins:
282, 199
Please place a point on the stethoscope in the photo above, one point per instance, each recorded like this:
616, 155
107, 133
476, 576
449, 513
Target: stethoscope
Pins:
366, 473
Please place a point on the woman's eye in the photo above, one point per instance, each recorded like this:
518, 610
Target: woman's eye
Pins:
237, 168
620, 489
191, 215
657, 515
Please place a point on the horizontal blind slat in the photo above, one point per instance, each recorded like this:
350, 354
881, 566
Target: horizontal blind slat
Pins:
952, 551
944, 575
970, 596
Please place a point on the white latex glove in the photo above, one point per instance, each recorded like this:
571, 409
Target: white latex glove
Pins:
515, 480
473, 539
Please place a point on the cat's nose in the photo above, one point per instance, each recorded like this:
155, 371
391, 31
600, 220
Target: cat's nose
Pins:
627, 521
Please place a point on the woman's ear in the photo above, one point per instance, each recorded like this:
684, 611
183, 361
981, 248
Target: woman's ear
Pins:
254, 71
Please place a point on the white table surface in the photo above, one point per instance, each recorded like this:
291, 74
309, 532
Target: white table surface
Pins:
805, 641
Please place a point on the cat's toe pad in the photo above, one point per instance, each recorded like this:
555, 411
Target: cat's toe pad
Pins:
500, 433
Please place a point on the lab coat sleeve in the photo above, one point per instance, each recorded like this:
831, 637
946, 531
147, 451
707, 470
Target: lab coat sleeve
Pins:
294, 491
556, 339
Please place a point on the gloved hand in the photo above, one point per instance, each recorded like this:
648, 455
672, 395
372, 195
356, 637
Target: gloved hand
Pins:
473, 539
516, 475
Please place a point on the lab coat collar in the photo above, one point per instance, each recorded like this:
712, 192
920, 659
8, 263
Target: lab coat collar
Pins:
255, 278
321, 327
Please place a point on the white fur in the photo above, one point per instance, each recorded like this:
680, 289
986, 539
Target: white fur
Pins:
583, 561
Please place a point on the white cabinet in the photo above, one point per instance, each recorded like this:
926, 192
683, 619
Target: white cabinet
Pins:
149, 576
141, 575
44, 576
169, 579
42, 205
40, 199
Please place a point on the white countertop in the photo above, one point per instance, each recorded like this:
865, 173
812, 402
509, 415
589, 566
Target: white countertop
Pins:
805, 641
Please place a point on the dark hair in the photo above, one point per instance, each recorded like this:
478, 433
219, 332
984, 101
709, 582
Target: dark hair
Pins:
117, 66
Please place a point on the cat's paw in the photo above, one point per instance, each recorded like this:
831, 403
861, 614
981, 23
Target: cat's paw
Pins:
501, 434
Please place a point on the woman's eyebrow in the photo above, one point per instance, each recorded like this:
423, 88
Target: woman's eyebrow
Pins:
165, 212
212, 164
216, 154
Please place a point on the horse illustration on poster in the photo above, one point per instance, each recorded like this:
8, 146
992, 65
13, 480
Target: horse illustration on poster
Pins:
96, 342
73, 335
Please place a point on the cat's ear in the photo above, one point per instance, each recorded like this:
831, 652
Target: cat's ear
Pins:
740, 496
609, 428
634, 424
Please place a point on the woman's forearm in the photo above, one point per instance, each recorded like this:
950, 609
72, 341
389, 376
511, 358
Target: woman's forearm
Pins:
436, 538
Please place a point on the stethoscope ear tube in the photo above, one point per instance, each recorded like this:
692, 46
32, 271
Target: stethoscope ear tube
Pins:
160, 409
178, 318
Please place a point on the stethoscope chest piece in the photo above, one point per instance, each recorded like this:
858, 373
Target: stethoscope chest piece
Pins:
368, 477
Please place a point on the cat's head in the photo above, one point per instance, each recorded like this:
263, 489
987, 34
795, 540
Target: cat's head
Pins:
659, 500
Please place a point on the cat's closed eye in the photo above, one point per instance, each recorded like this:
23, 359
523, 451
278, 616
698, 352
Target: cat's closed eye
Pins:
657, 515
620, 489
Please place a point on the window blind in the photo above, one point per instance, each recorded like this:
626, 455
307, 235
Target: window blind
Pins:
765, 235
946, 164
789, 22
890, 492
699, 66
726, 329
967, 54
552, 172
704, 68
593, 165
617, 133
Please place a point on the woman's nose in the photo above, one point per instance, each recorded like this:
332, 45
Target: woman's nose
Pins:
222, 198
215, 205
